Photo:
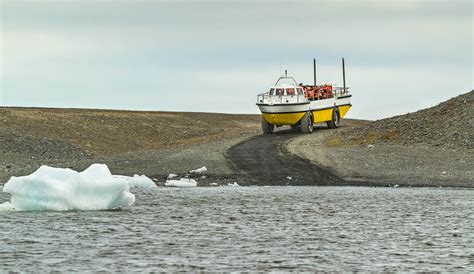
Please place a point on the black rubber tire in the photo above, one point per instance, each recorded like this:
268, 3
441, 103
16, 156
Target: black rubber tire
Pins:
307, 123
266, 127
336, 119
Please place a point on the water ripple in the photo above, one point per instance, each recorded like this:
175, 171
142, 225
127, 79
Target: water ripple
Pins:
251, 228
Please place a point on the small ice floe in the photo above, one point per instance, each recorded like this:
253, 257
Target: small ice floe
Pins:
60, 189
183, 182
213, 184
444, 172
200, 170
137, 181
172, 176
203, 177
396, 186
370, 146
289, 178
233, 184
6, 206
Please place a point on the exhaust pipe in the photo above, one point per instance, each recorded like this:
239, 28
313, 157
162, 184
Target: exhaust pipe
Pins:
343, 75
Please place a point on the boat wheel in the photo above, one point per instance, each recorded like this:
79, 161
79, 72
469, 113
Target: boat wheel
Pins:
336, 118
267, 128
307, 123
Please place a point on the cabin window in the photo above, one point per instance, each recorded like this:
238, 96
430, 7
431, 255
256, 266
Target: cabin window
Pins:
300, 91
272, 91
290, 91
280, 91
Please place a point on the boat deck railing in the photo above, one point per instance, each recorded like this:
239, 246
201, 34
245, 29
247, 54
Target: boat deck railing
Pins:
340, 91
266, 98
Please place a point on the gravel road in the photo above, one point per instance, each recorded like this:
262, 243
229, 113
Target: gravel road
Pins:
264, 160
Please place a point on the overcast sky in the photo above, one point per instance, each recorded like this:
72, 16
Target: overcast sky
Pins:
215, 56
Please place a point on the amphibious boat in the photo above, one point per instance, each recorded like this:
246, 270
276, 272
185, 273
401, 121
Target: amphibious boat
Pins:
301, 106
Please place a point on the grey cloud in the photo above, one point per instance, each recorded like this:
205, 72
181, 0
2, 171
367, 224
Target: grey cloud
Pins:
127, 50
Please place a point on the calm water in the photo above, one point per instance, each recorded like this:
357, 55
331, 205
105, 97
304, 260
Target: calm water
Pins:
251, 228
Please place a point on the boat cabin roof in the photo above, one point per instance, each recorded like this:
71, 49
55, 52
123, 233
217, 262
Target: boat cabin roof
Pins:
286, 82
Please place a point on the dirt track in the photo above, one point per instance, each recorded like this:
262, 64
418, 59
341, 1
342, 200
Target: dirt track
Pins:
263, 160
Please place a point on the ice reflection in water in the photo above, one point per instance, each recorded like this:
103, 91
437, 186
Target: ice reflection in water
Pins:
251, 228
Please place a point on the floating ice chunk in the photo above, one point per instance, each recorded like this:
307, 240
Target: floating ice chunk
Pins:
233, 185
396, 186
59, 189
183, 182
370, 146
138, 181
172, 176
289, 178
6, 206
200, 170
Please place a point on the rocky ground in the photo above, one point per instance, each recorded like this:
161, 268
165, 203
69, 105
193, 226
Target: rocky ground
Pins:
431, 147
151, 143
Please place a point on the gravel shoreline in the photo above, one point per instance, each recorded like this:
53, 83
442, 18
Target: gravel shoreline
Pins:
156, 164
380, 165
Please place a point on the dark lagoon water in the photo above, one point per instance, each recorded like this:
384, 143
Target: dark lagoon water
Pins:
251, 228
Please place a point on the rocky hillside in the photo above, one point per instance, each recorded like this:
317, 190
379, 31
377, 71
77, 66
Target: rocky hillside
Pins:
449, 124
37, 132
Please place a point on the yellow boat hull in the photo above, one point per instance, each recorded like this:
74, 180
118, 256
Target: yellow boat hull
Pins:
321, 115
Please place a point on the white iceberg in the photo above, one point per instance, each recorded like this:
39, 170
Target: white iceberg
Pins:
183, 182
138, 181
235, 184
200, 170
60, 189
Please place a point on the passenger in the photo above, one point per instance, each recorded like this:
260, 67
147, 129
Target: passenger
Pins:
318, 94
291, 91
311, 94
306, 92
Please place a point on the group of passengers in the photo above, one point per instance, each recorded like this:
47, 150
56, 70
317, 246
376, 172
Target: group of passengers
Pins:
317, 92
